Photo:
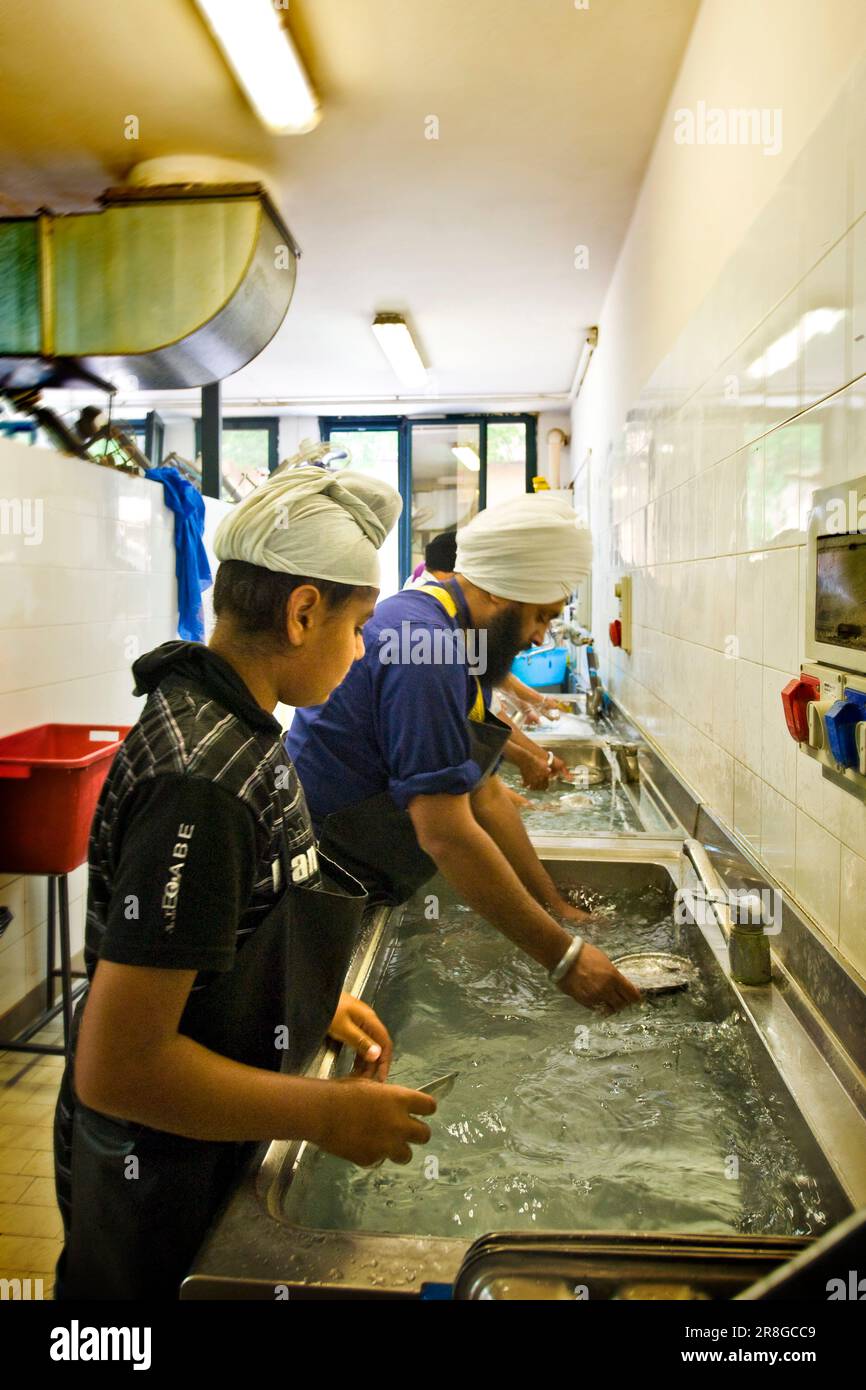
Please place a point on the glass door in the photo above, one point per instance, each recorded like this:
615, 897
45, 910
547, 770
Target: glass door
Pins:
376, 450
507, 458
446, 481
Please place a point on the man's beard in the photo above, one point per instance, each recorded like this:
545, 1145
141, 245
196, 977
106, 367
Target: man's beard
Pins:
504, 641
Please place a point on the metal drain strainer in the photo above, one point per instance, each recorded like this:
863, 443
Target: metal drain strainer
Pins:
656, 972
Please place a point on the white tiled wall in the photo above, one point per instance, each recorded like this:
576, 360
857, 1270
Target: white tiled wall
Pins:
704, 499
75, 611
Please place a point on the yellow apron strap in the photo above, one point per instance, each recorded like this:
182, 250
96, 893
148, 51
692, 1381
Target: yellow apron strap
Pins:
443, 596
478, 711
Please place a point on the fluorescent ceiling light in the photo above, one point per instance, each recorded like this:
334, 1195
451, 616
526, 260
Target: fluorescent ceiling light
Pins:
260, 51
398, 345
588, 347
467, 456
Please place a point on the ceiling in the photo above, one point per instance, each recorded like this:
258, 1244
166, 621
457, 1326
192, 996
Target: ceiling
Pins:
547, 115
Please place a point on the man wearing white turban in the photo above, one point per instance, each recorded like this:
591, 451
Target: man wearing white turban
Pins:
308, 521
217, 939
398, 765
530, 549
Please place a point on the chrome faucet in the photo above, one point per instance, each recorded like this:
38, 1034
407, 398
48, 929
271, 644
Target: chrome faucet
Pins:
595, 698
747, 940
579, 637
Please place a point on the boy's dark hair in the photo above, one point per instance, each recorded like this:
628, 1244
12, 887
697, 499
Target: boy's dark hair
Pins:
255, 598
441, 552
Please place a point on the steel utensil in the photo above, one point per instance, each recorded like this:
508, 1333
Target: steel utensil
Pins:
441, 1087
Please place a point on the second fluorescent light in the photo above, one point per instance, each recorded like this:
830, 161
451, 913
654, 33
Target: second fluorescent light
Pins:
398, 345
263, 57
466, 455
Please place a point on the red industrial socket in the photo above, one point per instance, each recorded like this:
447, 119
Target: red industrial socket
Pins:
798, 694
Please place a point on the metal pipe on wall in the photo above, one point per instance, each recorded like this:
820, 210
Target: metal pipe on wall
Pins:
556, 440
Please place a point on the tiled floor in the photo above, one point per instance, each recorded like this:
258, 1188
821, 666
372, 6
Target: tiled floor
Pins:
30, 1227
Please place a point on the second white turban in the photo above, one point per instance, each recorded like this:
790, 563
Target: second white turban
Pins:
530, 549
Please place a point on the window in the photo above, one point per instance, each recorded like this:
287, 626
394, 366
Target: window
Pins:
148, 434
506, 461
433, 461
249, 450
25, 431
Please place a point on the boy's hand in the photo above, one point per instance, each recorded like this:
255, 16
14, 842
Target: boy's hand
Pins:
366, 1122
358, 1026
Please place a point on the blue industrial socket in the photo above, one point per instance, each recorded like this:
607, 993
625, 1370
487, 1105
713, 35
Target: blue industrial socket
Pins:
841, 724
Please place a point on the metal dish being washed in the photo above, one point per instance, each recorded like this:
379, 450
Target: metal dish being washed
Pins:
656, 972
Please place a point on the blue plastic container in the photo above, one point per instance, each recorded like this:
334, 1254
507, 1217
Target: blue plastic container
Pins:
541, 666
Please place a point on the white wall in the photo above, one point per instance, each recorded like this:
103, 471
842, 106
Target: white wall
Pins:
703, 463
76, 608
697, 202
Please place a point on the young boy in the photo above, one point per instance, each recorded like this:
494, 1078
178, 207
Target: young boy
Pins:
216, 943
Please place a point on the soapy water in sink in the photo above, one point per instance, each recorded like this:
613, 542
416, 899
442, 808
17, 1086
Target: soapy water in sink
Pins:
652, 1119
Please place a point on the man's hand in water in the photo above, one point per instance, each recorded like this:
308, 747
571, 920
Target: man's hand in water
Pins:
570, 915
595, 980
533, 769
357, 1025
550, 707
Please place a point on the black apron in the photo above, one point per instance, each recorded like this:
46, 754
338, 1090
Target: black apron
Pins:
133, 1229
376, 841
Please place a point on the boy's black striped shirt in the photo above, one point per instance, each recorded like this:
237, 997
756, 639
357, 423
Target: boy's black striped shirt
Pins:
186, 837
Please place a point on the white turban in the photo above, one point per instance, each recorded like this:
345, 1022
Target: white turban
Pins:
305, 520
530, 549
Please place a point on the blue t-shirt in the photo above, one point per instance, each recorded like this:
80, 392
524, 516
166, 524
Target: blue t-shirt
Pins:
395, 724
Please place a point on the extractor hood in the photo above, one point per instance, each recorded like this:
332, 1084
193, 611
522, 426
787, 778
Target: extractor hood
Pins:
165, 287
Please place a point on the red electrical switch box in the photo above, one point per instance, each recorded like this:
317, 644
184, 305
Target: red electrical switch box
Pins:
616, 633
798, 694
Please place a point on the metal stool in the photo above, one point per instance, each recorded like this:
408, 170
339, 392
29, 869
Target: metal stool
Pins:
58, 891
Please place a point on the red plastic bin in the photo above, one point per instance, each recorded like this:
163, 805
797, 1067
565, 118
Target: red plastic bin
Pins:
50, 780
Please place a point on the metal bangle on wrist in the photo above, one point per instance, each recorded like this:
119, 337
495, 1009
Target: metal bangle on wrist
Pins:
560, 970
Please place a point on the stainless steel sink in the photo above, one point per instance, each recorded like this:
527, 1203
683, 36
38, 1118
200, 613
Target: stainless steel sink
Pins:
261, 1243
648, 811
582, 753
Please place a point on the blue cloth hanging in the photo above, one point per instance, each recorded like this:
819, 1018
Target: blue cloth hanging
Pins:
191, 563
